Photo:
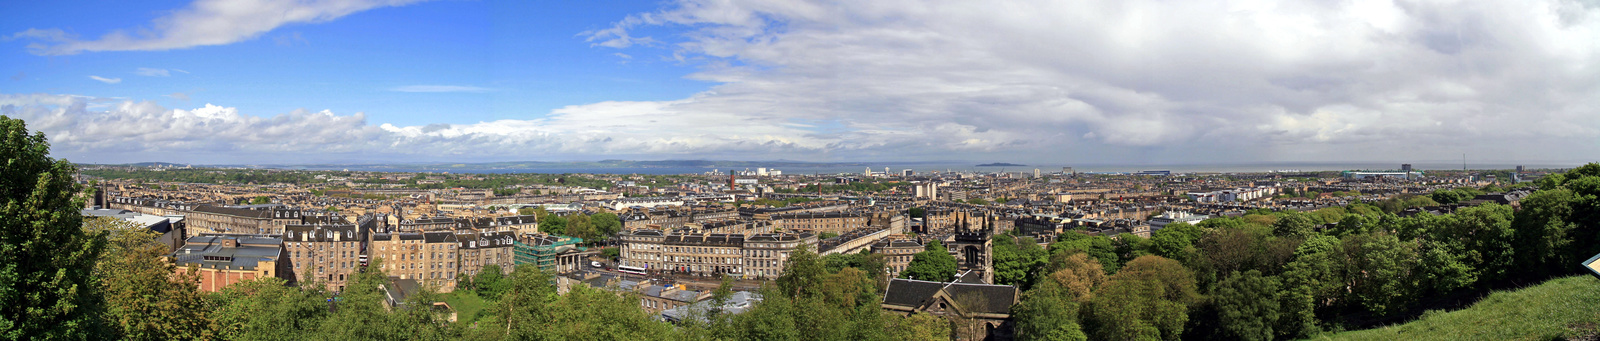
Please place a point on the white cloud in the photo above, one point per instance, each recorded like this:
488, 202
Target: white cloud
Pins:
144, 71
106, 80
440, 88
203, 23
1149, 80
1074, 82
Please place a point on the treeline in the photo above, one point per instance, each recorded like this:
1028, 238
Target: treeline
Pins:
1283, 275
208, 176
593, 228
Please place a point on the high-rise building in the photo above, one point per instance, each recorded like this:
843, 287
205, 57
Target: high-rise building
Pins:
1519, 169
1035, 173
1405, 167
906, 172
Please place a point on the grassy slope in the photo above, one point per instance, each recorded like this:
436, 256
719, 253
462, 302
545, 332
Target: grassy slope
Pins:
1557, 309
466, 304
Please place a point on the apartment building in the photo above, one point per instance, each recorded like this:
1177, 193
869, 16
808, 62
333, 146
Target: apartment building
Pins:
480, 249
326, 250
749, 256
223, 260
831, 222
428, 257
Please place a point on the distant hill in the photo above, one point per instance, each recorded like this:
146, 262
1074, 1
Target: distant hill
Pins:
1563, 308
1001, 164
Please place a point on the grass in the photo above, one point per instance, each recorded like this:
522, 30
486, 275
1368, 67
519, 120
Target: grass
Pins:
466, 303
1562, 308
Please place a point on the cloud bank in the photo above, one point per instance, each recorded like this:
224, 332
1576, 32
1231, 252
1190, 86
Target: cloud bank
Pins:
1067, 81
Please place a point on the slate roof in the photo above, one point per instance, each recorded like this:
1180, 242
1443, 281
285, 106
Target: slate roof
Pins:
910, 292
208, 251
989, 298
238, 212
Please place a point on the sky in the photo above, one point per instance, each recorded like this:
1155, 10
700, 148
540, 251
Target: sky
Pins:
1062, 82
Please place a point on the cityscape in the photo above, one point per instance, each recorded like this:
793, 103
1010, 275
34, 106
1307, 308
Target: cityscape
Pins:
800, 170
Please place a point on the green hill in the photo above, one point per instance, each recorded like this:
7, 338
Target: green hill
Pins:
1562, 308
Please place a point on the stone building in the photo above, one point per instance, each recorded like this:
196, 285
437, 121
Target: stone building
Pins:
752, 256
480, 249
328, 252
431, 258
830, 222
897, 253
223, 220
977, 311
223, 260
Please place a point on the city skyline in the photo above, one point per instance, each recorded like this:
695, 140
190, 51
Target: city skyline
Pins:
1142, 82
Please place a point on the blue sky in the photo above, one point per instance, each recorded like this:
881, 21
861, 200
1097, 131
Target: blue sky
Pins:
1101, 82
526, 56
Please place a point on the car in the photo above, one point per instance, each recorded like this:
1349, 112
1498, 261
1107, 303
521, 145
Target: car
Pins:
596, 264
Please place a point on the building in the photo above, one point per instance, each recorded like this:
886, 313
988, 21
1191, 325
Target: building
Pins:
429, 257
656, 298
544, 251
833, 222
1169, 217
736, 303
221, 260
704, 254
625, 203
170, 228
977, 311
765, 255
973, 250
1358, 175
480, 249
926, 190
225, 220
328, 253
752, 256
897, 253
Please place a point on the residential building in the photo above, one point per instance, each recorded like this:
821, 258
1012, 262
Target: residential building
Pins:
221, 260
327, 252
431, 257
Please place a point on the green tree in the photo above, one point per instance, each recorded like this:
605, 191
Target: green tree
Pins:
491, 282
916, 327
1294, 225
606, 224
1484, 237
1380, 267
932, 264
1148, 300
1544, 232
1016, 260
144, 299
550, 223
522, 311
46, 259
1098, 247
1175, 241
266, 309
1248, 305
